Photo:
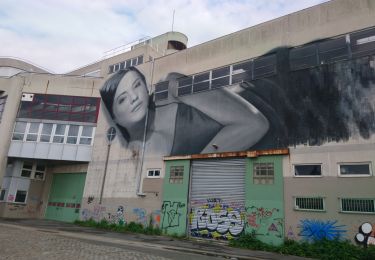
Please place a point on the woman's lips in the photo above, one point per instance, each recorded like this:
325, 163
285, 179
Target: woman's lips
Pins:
137, 107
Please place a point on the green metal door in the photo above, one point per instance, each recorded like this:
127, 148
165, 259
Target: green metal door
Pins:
65, 197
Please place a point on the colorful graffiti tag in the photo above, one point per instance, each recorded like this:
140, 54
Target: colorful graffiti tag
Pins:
171, 212
97, 213
265, 221
141, 215
118, 217
366, 234
215, 219
312, 230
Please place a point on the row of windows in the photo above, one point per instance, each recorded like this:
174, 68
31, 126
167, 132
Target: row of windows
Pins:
53, 133
126, 64
344, 169
346, 204
217, 78
311, 55
59, 107
264, 173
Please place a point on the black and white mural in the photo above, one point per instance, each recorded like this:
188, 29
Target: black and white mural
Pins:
311, 95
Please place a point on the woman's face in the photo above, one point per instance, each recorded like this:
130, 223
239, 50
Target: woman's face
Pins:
131, 100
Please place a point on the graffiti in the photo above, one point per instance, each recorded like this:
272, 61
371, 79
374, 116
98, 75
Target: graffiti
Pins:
313, 230
217, 222
155, 218
366, 235
264, 221
11, 197
171, 212
97, 214
290, 235
118, 217
34, 205
141, 215
90, 199
16, 207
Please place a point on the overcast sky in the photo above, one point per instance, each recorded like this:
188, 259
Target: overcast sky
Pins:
63, 35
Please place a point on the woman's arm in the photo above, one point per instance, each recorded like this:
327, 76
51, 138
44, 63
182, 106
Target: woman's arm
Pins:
243, 124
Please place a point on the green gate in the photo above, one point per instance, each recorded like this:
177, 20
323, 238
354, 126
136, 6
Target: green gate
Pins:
65, 197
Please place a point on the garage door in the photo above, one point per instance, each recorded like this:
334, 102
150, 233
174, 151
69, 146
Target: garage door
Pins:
217, 198
65, 197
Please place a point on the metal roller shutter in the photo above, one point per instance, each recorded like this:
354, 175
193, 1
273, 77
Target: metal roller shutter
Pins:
217, 198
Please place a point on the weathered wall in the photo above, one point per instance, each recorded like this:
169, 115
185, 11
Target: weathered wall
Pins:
329, 103
331, 222
264, 202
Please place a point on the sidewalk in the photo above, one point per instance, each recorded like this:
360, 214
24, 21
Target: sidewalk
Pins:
202, 247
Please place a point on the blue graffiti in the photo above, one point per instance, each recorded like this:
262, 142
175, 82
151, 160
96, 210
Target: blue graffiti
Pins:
313, 230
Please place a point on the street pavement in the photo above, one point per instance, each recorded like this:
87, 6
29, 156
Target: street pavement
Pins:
44, 239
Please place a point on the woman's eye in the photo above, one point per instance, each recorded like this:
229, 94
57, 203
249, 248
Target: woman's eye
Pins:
121, 100
137, 85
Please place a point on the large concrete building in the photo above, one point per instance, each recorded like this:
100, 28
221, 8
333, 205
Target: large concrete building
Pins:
269, 130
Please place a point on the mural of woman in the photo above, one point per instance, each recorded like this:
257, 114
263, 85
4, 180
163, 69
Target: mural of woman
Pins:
212, 121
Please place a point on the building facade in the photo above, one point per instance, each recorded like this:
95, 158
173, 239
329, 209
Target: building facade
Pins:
268, 130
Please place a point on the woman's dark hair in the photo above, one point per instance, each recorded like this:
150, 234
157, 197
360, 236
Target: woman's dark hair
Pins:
108, 92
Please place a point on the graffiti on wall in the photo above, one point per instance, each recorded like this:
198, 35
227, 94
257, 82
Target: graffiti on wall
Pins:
171, 214
323, 103
214, 218
366, 234
141, 216
97, 213
155, 218
117, 217
90, 199
312, 230
266, 222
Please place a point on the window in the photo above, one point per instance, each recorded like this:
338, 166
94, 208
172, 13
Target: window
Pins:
59, 134
27, 169
242, 72
126, 64
303, 57
72, 134
357, 205
176, 174
161, 90
220, 77
355, 169
201, 82
184, 86
86, 135
45, 135
42, 132
307, 170
60, 107
2, 105
21, 196
305, 203
2, 195
154, 173
263, 173
19, 131
32, 133
264, 66
40, 171
34, 170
